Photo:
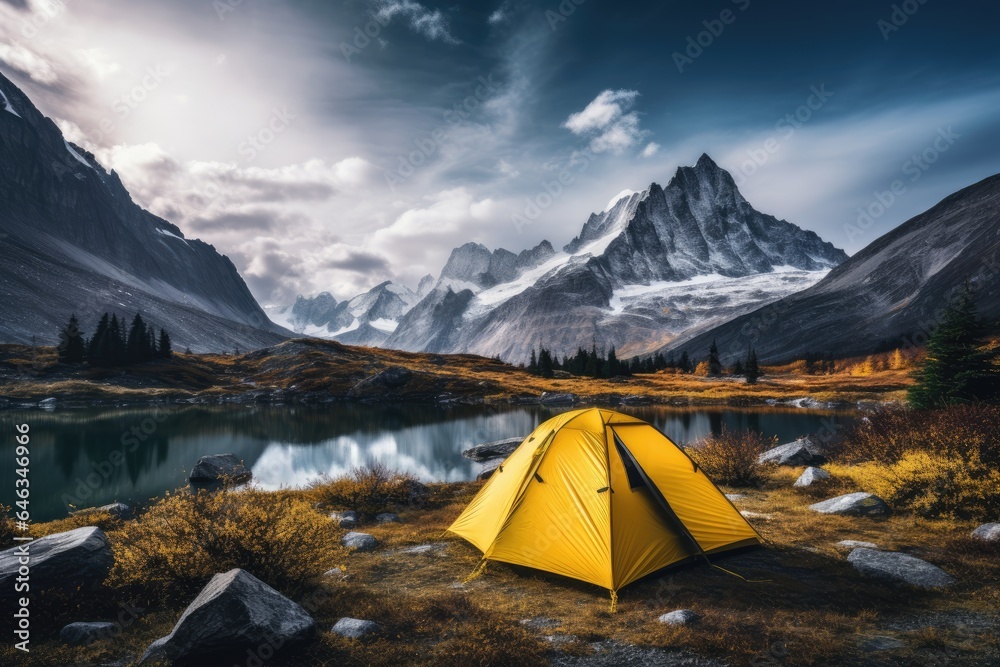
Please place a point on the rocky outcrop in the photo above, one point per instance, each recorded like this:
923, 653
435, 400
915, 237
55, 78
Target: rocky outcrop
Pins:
810, 476
360, 542
679, 617
346, 518
219, 469
899, 568
498, 449
76, 559
83, 633
988, 532
355, 628
235, 612
381, 385
800, 452
853, 504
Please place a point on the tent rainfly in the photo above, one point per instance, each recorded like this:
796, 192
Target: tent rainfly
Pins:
602, 497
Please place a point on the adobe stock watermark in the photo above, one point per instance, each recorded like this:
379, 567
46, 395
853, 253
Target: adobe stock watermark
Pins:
899, 17
365, 35
40, 17
914, 168
786, 126
696, 44
551, 190
258, 141
561, 13
427, 146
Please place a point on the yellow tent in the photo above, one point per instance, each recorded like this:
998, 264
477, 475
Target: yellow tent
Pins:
603, 497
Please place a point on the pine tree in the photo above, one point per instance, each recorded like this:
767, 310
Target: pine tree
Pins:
97, 348
738, 368
533, 364
545, 364
685, 363
752, 367
72, 349
165, 350
614, 368
116, 343
714, 365
137, 346
659, 362
958, 368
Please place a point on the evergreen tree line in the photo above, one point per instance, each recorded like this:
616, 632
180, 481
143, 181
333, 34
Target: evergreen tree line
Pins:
114, 343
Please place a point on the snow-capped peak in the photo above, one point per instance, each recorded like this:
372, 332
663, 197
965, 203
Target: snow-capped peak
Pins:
617, 198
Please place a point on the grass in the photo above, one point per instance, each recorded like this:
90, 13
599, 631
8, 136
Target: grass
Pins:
804, 603
316, 369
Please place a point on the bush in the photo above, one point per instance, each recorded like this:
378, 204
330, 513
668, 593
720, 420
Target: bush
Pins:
937, 463
731, 457
185, 538
369, 490
6, 526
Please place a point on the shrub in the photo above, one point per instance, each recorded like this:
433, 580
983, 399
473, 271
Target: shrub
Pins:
731, 457
368, 490
6, 526
185, 538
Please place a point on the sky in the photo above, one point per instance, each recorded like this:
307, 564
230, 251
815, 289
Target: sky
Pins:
329, 146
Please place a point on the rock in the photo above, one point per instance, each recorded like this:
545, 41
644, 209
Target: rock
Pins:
756, 515
79, 558
116, 509
499, 449
553, 398
416, 493
381, 384
988, 532
488, 470
387, 517
853, 504
336, 573
219, 469
431, 549
679, 617
733, 497
83, 633
235, 612
355, 628
899, 567
855, 544
346, 518
811, 475
359, 542
801, 452
636, 400
540, 623
48, 403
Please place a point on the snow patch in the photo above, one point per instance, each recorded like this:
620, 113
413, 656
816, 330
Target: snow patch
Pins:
164, 232
79, 157
350, 327
382, 324
617, 198
7, 105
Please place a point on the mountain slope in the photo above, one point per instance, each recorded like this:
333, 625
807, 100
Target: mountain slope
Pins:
629, 279
74, 241
895, 288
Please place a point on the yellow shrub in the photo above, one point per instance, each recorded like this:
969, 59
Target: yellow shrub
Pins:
731, 457
933, 485
185, 538
369, 490
6, 526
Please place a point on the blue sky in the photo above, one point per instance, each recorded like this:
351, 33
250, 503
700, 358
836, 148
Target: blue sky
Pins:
321, 158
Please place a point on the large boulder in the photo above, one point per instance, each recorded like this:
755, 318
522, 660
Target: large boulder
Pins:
499, 449
76, 559
555, 398
488, 469
216, 469
234, 613
898, 567
115, 509
853, 504
802, 452
359, 542
988, 532
810, 476
679, 617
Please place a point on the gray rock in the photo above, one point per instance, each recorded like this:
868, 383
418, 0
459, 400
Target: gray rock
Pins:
988, 532
801, 452
679, 617
220, 469
335, 573
79, 558
489, 469
499, 449
387, 517
346, 518
880, 643
554, 398
853, 504
82, 633
48, 403
733, 497
855, 544
416, 493
899, 567
116, 509
355, 628
811, 475
359, 542
636, 400
235, 612
431, 549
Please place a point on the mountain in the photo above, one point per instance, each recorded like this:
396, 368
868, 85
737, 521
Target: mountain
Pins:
367, 319
73, 241
654, 266
895, 290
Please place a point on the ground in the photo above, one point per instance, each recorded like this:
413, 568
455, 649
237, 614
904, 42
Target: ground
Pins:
798, 602
312, 370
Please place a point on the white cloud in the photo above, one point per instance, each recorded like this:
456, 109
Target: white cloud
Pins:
35, 66
651, 149
608, 119
500, 14
430, 24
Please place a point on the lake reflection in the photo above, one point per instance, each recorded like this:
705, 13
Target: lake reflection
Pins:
80, 455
